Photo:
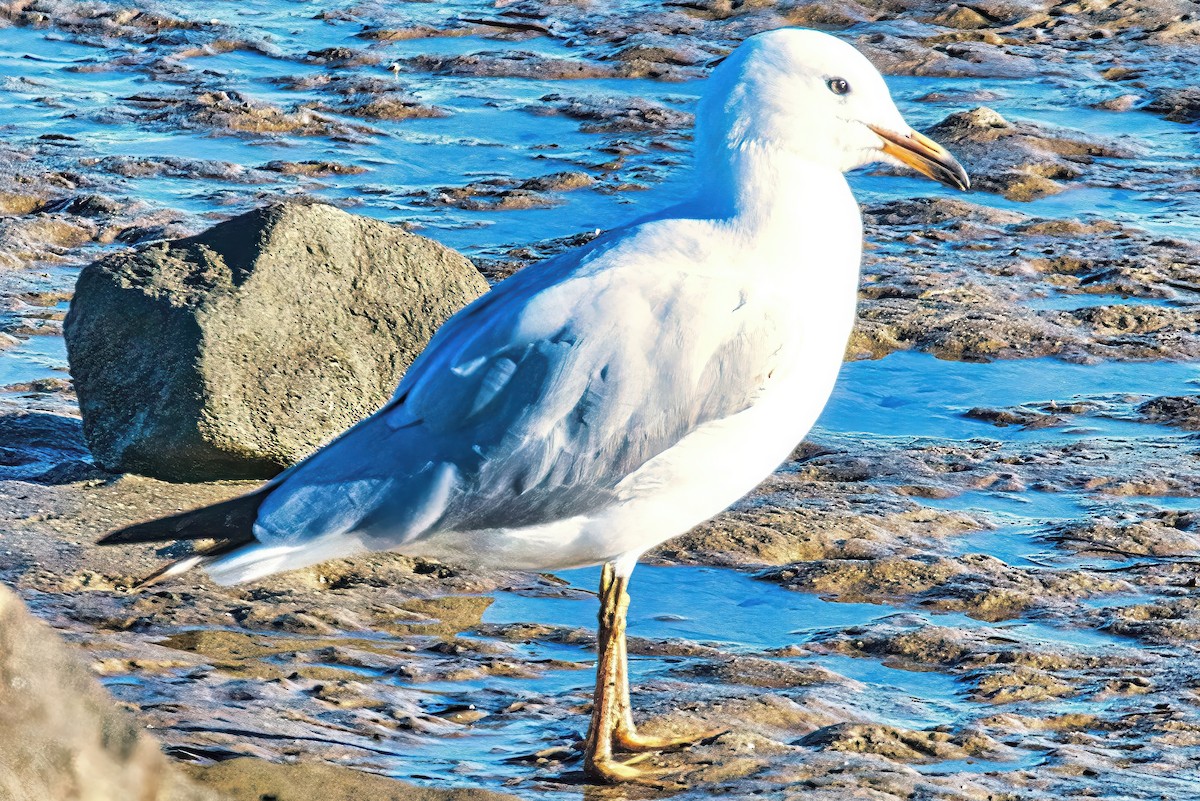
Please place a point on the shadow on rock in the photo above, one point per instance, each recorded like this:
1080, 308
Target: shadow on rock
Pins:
44, 448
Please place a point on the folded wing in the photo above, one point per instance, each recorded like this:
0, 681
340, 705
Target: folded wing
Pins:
529, 406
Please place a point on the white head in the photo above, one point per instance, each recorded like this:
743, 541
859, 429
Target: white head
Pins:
817, 98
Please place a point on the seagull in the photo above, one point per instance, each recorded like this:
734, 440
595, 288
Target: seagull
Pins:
596, 404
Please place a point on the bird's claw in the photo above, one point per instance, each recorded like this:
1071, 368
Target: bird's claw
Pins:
615, 771
633, 742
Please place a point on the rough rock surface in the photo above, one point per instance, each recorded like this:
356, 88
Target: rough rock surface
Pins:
246, 779
61, 737
236, 352
1021, 161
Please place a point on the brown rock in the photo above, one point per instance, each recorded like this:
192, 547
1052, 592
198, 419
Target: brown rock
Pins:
1182, 411
1022, 161
1177, 105
61, 737
248, 779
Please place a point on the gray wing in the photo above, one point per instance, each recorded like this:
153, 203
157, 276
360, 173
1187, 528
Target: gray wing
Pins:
529, 406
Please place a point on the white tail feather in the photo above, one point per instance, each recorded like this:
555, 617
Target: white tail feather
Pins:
259, 560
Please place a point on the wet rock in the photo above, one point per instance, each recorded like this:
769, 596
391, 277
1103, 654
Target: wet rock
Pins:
366, 97
156, 227
945, 56
924, 212
407, 33
255, 780
1182, 411
615, 114
238, 351
313, 169
1177, 105
392, 108
342, 57
40, 386
111, 20
173, 167
38, 238
918, 292
962, 17
34, 444
1143, 331
20, 202
232, 113
1167, 621
753, 672
506, 194
92, 205
500, 263
778, 533
917, 646
1161, 534
1022, 161
827, 14
1021, 684
660, 49
902, 745
61, 735
509, 64
978, 585
1120, 102
960, 96
1026, 418
958, 331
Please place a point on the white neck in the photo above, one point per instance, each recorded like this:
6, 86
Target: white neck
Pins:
764, 190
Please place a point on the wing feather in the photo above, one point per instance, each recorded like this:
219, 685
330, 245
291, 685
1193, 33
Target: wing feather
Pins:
529, 406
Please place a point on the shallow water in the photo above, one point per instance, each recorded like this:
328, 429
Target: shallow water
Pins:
902, 398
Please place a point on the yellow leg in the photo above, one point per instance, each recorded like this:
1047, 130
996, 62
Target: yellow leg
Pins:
598, 762
625, 735
612, 717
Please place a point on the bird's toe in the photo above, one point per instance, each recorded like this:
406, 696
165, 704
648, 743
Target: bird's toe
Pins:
615, 771
631, 740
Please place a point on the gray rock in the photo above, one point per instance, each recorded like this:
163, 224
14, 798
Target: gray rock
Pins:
1022, 160
234, 353
1177, 105
61, 735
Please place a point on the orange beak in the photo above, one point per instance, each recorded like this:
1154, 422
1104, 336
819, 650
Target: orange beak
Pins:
925, 156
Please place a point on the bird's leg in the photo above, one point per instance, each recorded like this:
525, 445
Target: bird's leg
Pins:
625, 735
598, 761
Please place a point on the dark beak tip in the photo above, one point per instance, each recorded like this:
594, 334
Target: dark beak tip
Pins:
952, 173
964, 180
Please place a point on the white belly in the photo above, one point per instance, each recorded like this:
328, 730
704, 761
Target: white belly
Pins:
714, 466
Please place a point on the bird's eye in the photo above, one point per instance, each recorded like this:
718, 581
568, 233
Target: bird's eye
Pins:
838, 86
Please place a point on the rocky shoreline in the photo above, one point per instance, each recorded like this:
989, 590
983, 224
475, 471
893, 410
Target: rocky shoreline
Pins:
1018, 562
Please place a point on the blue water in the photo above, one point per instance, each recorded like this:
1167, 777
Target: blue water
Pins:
915, 394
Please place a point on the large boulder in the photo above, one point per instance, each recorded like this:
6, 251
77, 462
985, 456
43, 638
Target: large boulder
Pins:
62, 738
234, 353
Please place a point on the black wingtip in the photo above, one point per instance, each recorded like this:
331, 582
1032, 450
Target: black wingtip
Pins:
231, 520
159, 530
